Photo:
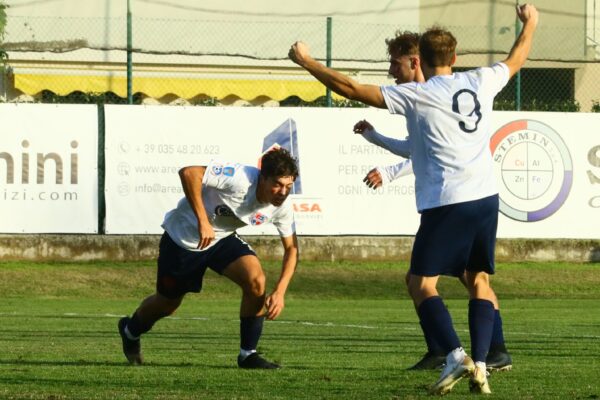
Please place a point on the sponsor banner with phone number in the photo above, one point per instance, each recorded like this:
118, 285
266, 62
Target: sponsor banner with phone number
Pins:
547, 164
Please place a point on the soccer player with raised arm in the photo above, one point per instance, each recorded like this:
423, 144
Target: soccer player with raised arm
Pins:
200, 233
498, 358
448, 121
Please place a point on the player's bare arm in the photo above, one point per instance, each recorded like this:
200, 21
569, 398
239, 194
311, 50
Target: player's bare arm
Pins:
336, 81
529, 15
275, 301
191, 181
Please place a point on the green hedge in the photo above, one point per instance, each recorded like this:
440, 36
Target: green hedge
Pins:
538, 105
3, 55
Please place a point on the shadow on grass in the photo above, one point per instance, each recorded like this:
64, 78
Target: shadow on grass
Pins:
150, 365
86, 363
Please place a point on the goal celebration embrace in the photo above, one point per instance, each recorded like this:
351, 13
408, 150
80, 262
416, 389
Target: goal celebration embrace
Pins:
448, 122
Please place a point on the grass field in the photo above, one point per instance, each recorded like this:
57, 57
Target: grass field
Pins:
348, 332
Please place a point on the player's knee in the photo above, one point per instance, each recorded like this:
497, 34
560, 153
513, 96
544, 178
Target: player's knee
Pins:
255, 286
414, 288
481, 285
407, 278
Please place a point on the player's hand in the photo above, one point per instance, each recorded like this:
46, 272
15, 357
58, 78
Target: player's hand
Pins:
362, 126
299, 53
527, 13
274, 304
373, 179
207, 235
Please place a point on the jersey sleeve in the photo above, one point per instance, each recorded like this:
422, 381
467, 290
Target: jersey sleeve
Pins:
390, 173
395, 146
284, 221
399, 98
495, 78
221, 175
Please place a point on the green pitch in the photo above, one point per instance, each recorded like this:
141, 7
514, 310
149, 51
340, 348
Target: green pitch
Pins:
348, 332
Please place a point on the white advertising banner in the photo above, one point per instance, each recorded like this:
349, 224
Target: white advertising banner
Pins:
548, 167
146, 145
48, 168
548, 173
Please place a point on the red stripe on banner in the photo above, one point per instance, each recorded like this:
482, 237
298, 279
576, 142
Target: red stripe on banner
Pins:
505, 131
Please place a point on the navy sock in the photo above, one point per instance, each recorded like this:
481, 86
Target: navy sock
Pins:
250, 331
437, 323
432, 346
497, 343
137, 327
481, 325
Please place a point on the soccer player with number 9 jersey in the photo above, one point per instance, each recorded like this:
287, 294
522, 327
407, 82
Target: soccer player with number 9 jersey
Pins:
448, 121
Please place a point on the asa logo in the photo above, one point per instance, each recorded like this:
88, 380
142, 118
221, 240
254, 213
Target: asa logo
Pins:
307, 207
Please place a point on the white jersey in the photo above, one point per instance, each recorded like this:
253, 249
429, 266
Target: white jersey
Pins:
390, 173
399, 147
448, 120
229, 196
395, 146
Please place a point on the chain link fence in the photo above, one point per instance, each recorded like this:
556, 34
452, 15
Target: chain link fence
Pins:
244, 62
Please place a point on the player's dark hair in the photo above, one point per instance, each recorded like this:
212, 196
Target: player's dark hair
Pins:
278, 162
437, 47
405, 43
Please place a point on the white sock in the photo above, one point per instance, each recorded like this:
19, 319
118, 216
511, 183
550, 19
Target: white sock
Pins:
246, 353
481, 365
457, 355
129, 335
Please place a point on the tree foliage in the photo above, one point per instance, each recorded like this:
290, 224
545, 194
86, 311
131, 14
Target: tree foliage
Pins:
3, 55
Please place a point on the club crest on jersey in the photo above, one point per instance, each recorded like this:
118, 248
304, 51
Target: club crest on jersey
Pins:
228, 171
258, 219
217, 169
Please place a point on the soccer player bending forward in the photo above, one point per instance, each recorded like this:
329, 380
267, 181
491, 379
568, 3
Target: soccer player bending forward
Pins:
448, 121
201, 233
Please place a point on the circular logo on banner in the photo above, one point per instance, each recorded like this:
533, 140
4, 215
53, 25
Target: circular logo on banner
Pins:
534, 166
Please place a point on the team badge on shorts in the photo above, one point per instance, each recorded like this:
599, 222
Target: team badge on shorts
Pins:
534, 168
217, 169
258, 219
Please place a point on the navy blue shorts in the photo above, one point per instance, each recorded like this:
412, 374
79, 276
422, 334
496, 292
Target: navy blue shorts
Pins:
455, 238
181, 271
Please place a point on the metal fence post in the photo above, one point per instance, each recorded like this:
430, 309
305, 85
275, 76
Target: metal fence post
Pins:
518, 77
328, 60
129, 52
101, 170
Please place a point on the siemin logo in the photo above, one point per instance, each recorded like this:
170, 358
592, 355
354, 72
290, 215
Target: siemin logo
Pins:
535, 167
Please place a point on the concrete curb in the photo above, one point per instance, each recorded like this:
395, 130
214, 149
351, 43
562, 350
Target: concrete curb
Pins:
69, 247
